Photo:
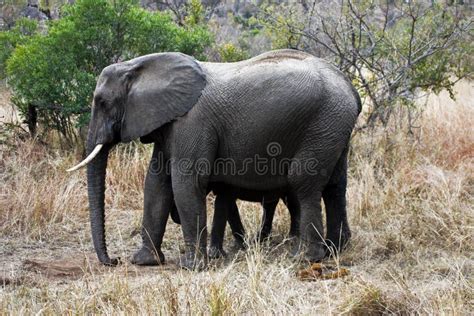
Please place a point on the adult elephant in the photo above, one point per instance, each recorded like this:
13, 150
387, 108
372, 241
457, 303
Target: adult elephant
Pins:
283, 108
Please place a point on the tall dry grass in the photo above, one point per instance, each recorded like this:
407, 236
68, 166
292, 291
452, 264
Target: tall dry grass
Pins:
410, 202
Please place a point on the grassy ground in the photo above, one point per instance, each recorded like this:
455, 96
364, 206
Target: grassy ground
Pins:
410, 200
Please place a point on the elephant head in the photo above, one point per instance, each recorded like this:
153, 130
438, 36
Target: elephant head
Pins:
131, 100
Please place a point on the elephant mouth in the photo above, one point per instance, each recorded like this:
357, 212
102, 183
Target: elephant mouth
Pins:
112, 137
109, 133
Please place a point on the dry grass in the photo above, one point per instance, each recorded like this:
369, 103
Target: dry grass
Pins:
411, 211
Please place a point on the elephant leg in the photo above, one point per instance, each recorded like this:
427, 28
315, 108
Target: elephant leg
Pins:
175, 215
158, 202
334, 196
222, 208
191, 202
294, 209
267, 219
235, 223
311, 226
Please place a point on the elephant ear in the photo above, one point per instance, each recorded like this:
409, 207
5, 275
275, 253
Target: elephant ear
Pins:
161, 87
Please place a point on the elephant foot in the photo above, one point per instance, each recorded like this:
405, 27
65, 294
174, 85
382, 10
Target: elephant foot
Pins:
263, 236
315, 253
147, 257
239, 245
191, 261
111, 262
216, 252
294, 233
239, 241
296, 248
336, 244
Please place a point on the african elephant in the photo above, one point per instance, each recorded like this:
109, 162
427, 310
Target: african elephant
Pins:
225, 210
283, 120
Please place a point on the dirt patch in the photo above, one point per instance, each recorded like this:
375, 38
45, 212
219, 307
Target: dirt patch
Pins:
59, 269
79, 267
73, 267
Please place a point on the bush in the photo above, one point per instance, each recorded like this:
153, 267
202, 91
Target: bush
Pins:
23, 29
55, 73
230, 53
391, 52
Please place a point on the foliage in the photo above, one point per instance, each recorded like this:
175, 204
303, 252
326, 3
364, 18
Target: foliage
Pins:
391, 51
229, 53
56, 72
279, 25
195, 12
19, 34
189, 12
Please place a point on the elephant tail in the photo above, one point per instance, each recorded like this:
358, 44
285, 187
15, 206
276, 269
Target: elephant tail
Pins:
358, 100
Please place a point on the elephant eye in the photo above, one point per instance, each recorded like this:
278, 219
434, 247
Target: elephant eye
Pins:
100, 103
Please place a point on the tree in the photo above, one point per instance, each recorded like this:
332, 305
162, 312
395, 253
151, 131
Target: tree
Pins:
391, 50
19, 34
56, 72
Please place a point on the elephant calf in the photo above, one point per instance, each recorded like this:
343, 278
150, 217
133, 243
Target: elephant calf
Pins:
226, 210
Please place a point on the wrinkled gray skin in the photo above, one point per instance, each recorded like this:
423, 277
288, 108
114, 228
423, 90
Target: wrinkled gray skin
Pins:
225, 210
195, 111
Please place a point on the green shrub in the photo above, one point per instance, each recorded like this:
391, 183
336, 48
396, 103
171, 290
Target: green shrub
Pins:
230, 53
23, 29
55, 72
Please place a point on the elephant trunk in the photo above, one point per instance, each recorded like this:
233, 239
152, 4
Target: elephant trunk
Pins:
96, 171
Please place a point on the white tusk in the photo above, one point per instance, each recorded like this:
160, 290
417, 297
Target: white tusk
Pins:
88, 159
